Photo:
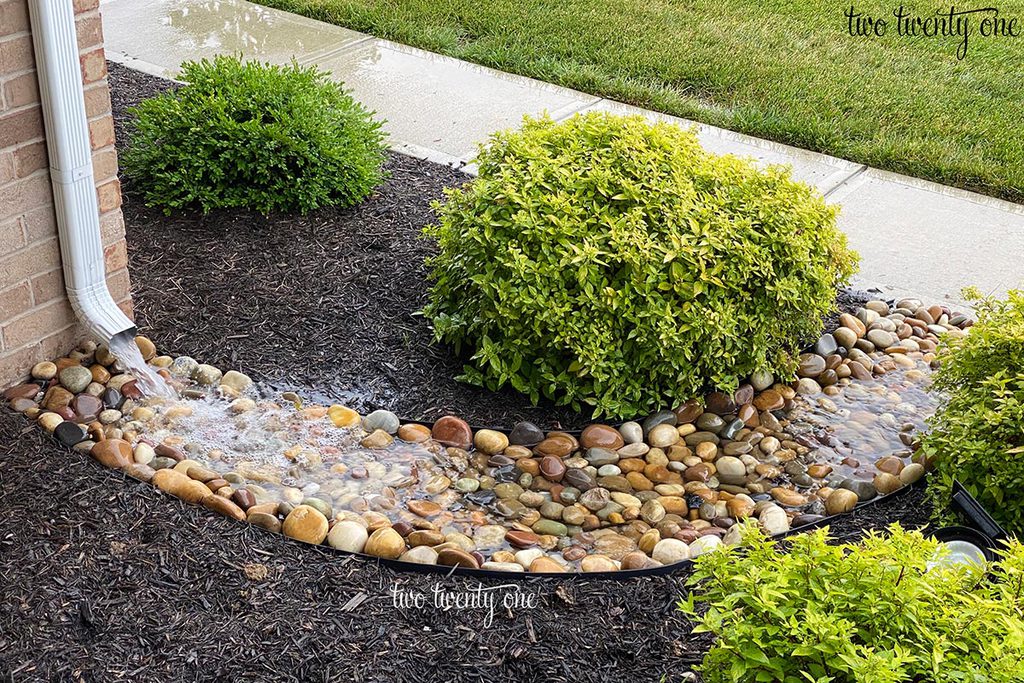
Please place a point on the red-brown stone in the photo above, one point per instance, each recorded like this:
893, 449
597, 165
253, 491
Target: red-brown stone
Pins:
453, 432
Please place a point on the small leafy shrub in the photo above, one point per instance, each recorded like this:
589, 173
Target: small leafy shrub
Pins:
265, 137
611, 262
866, 613
977, 434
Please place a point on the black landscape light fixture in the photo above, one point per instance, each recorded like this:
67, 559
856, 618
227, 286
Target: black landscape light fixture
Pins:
974, 543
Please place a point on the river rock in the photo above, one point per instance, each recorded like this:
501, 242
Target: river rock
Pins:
453, 432
376, 440
115, 453
774, 519
424, 508
811, 365
176, 483
235, 380
596, 498
525, 434
886, 483
705, 544
307, 524
579, 478
598, 456
598, 563
86, 408
731, 470
631, 432
419, 555
670, 551
456, 557
385, 542
552, 468
44, 370
69, 433
663, 436
75, 378
223, 506
206, 375
490, 441
49, 421
348, 535
383, 420
556, 446
601, 436
546, 565
840, 501
769, 400
344, 417
911, 473
688, 412
761, 380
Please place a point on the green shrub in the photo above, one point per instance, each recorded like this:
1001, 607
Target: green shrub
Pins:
869, 612
611, 262
265, 137
977, 434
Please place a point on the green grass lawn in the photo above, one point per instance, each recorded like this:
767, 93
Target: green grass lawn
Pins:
783, 70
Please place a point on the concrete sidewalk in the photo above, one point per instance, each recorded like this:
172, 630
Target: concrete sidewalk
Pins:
915, 237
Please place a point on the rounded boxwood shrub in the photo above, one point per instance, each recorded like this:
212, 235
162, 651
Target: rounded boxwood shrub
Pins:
876, 611
253, 135
977, 434
607, 261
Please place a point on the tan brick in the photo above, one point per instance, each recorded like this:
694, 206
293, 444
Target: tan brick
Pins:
13, 17
7, 170
120, 286
89, 30
111, 227
23, 195
15, 300
97, 99
15, 364
101, 132
60, 342
94, 65
85, 5
21, 126
48, 286
24, 263
104, 164
16, 54
30, 158
109, 195
21, 90
37, 324
115, 257
12, 236
128, 307
39, 223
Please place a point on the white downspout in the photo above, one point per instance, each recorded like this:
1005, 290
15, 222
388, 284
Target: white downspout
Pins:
71, 174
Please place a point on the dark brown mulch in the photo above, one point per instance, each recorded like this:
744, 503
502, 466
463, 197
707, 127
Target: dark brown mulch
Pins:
104, 579
325, 301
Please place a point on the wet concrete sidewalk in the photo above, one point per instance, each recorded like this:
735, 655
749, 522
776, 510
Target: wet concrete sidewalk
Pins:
915, 237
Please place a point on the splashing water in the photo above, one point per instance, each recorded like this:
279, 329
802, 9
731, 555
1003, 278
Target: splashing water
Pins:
151, 384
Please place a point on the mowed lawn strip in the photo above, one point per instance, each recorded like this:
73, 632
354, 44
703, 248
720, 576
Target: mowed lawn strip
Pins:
785, 71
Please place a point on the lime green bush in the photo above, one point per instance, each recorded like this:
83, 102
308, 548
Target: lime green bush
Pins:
868, 613
610, 262
977, 434
259, 136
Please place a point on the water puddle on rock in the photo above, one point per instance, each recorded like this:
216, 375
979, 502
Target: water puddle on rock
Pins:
868, 421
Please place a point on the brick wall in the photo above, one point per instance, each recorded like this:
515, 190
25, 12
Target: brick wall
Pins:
36, 321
